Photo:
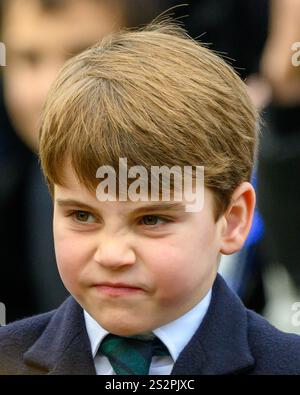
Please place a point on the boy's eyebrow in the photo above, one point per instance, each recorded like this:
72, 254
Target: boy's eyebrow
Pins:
72, 202
178, 206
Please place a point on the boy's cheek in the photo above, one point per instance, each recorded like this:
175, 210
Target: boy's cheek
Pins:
182, 275
70, 260
67, 271
172, 280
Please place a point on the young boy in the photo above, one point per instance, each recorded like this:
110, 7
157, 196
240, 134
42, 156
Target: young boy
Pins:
146, 297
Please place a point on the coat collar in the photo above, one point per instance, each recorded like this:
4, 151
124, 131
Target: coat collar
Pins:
219, 346
63, 347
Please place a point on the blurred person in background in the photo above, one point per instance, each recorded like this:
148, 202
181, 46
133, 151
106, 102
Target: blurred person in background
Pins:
279, 159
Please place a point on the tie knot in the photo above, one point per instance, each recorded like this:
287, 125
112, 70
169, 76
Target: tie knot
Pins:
132, 355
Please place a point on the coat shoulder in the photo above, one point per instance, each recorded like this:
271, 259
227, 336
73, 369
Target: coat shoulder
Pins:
17, 337
275, 352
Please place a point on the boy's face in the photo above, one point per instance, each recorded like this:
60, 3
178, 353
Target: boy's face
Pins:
131, 267
38, 43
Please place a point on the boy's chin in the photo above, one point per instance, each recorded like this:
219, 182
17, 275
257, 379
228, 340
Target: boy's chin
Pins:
125, 329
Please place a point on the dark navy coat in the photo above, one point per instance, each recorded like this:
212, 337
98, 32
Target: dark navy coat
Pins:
230, 340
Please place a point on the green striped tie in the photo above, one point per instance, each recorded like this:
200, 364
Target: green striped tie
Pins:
131, 355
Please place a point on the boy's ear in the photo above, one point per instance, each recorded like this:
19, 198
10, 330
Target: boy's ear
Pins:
238, 219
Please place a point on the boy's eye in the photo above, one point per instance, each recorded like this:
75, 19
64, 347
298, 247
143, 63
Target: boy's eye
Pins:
152, 220
83, 216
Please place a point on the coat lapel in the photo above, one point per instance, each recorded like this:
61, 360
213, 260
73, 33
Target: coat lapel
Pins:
64, 347
220, 345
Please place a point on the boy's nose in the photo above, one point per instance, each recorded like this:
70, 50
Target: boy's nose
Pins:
114, 254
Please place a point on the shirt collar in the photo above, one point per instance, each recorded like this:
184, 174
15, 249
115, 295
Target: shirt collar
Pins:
175, 335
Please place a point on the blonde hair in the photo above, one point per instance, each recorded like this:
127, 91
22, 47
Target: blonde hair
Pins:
156, 97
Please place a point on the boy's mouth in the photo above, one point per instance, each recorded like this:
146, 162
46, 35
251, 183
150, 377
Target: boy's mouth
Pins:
116, 289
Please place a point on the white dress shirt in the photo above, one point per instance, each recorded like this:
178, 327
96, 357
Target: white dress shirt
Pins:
175, 335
